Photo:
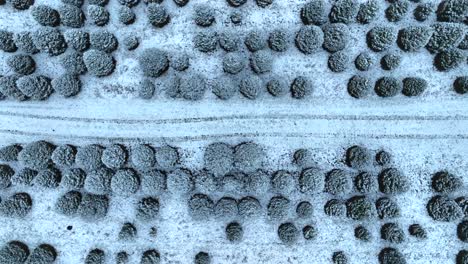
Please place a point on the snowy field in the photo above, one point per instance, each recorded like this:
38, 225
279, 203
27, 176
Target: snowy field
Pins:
424, 134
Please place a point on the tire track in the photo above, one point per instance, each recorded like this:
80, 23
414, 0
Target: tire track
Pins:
31, 106
234, 135
240, 117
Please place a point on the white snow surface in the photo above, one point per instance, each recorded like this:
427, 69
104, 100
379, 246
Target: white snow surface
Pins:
424, 135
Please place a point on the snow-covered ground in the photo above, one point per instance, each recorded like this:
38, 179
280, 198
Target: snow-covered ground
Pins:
425, 134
